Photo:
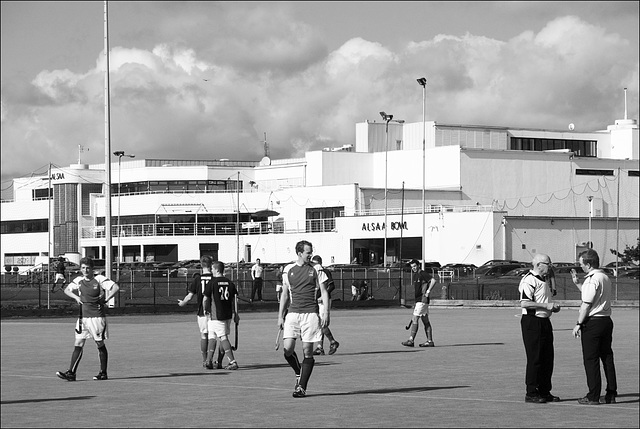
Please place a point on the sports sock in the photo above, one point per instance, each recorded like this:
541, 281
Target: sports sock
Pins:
211, 349
293, 362
414, 331
104, 358
204, 347
221, 353
307, 368
75, 359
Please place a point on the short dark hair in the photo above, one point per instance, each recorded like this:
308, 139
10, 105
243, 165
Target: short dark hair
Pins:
300, 246
218, 265
206, 261
590, 257
414, 261
88, 261
317, 258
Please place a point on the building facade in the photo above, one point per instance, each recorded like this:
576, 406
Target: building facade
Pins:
489, 193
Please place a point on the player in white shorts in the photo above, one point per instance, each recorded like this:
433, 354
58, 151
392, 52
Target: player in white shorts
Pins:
300, 281
423, 282
91, 292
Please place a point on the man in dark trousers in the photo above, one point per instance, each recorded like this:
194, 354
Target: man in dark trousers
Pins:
537, 332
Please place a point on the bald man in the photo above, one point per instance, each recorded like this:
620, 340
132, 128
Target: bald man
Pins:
537, 332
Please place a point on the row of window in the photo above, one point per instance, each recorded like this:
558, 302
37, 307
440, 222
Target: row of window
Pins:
579, 147
176, 185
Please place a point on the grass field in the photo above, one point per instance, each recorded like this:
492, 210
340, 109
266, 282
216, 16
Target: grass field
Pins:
474, 377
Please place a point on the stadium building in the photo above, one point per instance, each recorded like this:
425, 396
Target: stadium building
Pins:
489, 193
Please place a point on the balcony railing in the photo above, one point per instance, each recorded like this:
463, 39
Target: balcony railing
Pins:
218, 228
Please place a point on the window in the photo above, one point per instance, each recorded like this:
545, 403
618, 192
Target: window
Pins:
42, 194
579, 147
24, 226
322, 219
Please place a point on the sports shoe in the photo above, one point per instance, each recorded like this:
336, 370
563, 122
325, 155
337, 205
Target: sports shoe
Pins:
299, 392
232, 366
535, 399
408, 343
550, 398
218, 364
208, 365
101, 376
67, 375
587, 401
318, 351
427, 344
333, 347
609, 398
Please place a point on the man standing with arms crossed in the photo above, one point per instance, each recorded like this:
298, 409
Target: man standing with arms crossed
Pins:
537, 332
595, 328
300, 281
422, 284
256, 274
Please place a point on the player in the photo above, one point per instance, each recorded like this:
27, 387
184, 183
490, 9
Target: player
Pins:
330, 285
60, 271
423, 282
300, 281
196, 288
220, 305
91, 292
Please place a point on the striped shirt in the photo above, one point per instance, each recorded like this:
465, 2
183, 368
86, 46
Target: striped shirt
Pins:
303, 282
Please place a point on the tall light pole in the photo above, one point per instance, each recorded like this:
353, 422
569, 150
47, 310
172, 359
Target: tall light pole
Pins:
590, 198
423, 82
119, 154
387, 119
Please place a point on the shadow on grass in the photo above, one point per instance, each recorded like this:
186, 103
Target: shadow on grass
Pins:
29, 401
214, 371
389, 390
417, 349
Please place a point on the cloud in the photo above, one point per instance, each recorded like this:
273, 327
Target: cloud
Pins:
213, 95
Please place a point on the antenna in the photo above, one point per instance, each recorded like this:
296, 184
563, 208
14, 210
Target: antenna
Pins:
80, 150
266, 145
625, 103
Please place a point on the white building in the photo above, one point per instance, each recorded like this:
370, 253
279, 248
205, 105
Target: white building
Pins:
490, 193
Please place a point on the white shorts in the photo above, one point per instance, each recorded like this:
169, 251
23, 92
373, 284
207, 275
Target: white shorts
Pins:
95, 328
278, 288
60, 277
203, 324
305, 326
219, 328
421, 309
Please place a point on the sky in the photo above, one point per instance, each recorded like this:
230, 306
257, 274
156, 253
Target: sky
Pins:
206, 80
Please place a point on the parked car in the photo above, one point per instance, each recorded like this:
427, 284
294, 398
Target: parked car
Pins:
460, 270
493, 262
517, 272
496, 270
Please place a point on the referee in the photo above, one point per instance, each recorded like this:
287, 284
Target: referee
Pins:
537, 332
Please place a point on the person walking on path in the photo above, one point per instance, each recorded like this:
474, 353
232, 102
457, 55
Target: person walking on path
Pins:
537, 332
423, 282
330, 285
300, 281
91, 292
595, 329
257, 271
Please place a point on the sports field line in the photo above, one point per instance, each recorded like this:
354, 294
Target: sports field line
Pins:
316, 392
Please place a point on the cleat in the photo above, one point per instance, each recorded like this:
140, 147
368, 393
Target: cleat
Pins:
609, 398
587, 401
333, 347
101, 376
232, 366
217, 364
208, 365
68, 375
408, 343
318, 351
427, 344
299, 392
204, 363
550, 398
536, 399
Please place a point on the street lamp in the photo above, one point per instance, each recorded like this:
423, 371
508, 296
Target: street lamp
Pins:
119, 154
590, 198
387, 119
423, 82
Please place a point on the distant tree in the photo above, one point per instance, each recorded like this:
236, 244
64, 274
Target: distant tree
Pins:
631, 254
